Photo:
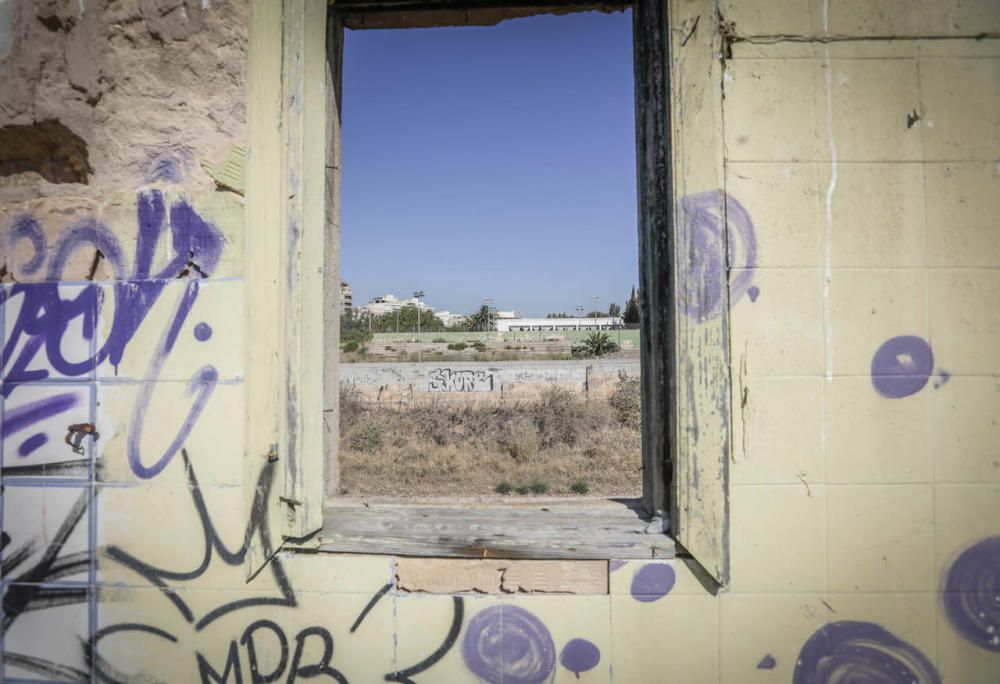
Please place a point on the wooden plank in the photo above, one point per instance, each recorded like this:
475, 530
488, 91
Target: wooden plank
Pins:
304, 78
331, 271
657, 299
700, 491
264, 395
435, 14
492, 532
437, 547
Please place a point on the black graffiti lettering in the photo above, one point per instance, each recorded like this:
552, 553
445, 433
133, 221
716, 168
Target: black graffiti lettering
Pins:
248, 640
104, 671
25, 592
208, 673
371, 604
214, 546
403, 676
320, 668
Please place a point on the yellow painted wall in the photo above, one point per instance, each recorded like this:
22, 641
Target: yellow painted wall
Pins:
856, 499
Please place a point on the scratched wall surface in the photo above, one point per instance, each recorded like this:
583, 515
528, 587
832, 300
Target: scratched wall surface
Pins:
860, 201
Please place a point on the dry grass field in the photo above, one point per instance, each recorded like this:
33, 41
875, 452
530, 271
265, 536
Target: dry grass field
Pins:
558, 445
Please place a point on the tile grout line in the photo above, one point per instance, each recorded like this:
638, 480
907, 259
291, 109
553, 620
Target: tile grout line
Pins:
931, 457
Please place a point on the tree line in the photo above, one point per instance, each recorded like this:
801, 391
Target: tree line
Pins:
356, 324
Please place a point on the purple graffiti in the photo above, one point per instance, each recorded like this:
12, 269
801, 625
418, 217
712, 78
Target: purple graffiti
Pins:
767, 662
753, 292
943, 378
902, 366
508, 644
202, 332
712, 220
652, 582
971, 594
44, 316
32, 444
166, 166
21, 417
579, 655
851, 651
615, 565
27, 228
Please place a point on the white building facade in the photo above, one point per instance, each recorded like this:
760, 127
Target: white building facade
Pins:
527, 324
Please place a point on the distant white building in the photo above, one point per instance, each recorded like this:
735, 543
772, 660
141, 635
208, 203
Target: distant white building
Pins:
528, 324
390, 303
345, 298
449, 319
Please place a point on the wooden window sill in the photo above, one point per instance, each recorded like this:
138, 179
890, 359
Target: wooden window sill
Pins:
593, 529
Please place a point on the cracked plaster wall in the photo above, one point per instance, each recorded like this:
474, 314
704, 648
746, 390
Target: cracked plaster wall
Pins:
864, 506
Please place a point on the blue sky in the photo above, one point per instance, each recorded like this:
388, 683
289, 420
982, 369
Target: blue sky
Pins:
491, 162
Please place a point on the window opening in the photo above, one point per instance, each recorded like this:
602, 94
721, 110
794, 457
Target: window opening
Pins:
489, 340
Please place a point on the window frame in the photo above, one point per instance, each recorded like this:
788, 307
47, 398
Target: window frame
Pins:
293, 293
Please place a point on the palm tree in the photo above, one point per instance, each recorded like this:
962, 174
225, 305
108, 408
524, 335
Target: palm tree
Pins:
482, 319
599, 344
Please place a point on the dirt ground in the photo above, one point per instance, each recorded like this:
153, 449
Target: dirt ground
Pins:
558, 445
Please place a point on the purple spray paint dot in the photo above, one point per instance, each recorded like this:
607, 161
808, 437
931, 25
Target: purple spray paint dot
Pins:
971, 594
580, 655
767, 662
202, 331
31, 444
615, 565
652, 582
507, 644
902, 366
753, 292
850, 651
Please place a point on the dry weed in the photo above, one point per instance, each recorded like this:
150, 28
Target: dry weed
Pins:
467, 449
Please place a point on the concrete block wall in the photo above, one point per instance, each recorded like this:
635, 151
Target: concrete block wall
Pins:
465, 381
865, 476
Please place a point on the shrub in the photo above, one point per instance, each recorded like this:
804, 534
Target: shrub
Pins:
579, 487
539, 487
560, 417
350, 405
504, 488
457, 346
626, 401
368, 435
521, 440
522, 489
350, 346
357, 335
439, 340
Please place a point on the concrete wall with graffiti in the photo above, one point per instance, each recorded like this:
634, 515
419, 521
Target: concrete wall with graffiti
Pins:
465, 381
860, 200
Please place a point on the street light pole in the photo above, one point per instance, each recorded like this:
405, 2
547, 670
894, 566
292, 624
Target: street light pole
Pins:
579, 314
595, 299
417, 295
